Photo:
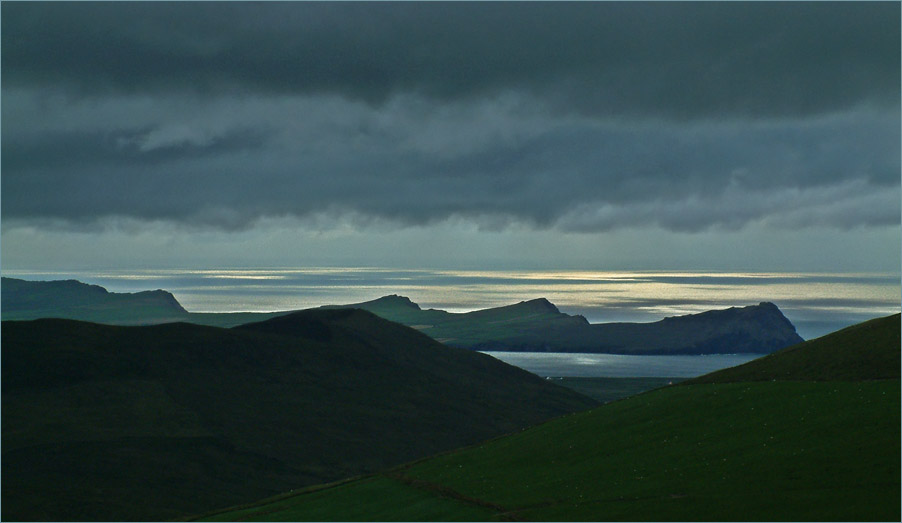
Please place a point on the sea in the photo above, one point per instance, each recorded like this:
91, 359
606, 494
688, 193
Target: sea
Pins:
571, 365
816, 303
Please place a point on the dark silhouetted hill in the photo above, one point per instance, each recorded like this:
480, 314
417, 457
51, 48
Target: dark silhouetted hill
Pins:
534, 325
538, 325
22, 299
758, 328
123, 423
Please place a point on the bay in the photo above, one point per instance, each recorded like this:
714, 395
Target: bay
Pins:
581, 365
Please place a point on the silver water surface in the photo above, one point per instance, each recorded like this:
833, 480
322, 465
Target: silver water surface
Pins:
571, 365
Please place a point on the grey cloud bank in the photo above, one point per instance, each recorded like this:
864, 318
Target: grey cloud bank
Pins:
458, 120
682, 60
231, 161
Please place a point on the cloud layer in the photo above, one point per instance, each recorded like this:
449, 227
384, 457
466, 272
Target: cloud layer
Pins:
580, 117
681, 60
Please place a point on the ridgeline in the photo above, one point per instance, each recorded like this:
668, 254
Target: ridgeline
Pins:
535, 325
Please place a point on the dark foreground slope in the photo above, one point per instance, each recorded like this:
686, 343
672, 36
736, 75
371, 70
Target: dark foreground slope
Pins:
826, 450
125, 423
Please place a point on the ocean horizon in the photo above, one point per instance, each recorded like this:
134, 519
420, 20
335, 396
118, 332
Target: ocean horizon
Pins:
816, 303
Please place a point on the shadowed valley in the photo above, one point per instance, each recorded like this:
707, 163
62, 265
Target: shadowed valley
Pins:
123, 423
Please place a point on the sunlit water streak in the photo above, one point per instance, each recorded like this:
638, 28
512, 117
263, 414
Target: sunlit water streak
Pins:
557, 364
816, 303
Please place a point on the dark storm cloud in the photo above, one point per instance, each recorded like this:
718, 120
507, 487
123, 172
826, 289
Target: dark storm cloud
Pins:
577, 176
132, 148
577, 116
677, 60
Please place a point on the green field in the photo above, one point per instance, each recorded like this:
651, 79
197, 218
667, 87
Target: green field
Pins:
607, 390
378, 494
868, 350
736, 451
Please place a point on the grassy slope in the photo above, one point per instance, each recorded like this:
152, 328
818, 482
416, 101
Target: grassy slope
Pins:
103, 422
786, 450
868, 350
831, 454
606, 390
371, 496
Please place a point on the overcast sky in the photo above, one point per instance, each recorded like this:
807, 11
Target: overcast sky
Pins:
736, 136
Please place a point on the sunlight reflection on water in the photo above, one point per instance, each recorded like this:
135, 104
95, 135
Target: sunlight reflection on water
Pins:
557, 364
815, 303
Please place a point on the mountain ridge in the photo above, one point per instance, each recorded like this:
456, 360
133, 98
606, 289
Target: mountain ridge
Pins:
535, 325
539, 326
72, 299
537, 304
396, 300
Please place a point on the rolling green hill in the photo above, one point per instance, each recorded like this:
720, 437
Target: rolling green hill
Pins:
123, 423
825, 450
865, 351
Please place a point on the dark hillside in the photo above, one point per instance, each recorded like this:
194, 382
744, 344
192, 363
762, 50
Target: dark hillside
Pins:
822, 443
125, 423
763, 451
25, 300
866, 351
